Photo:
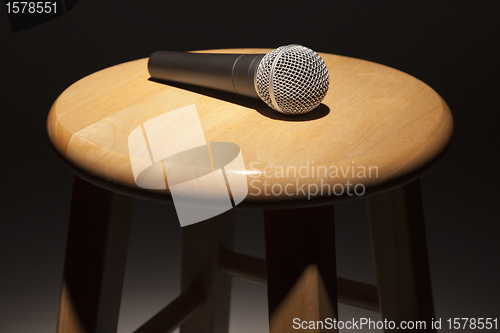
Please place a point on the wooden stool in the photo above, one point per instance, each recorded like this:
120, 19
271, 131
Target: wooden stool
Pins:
373, 116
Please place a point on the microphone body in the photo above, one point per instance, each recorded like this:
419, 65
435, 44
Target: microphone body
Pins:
228, 72
291, 79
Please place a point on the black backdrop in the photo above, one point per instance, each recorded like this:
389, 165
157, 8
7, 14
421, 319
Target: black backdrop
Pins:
450, 45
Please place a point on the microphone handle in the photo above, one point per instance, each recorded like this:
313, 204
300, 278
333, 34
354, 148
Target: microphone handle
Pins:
228, 72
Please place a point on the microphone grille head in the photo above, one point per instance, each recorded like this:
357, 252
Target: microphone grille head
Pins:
292, 79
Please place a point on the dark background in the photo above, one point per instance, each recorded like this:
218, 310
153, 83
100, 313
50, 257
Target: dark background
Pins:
450, 45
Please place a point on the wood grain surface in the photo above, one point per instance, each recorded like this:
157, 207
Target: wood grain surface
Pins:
94, 265
399, 244
376, 127
301, 268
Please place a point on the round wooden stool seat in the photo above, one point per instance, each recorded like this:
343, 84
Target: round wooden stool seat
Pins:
377, 127
375, 133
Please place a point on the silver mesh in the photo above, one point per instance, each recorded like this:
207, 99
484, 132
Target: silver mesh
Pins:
292, 79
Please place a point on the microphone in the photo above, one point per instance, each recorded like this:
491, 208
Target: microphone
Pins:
291, 79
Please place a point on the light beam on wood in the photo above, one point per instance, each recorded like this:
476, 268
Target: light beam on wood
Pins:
175, 313
252, 269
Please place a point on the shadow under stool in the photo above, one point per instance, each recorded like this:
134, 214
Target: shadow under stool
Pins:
374, 118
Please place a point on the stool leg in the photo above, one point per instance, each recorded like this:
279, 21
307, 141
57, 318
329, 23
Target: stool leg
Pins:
399, 245
94, 266
203, 243
301, 267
